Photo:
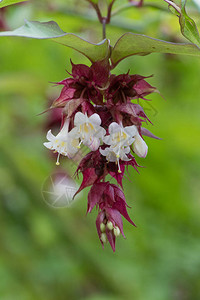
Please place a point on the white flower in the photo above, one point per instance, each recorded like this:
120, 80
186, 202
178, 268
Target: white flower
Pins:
125, 136
114, 154
120, 139
65, 143
139, 146
89, 129
120, 136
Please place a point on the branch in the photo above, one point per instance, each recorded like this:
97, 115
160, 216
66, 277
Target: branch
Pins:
109, 12
96, 8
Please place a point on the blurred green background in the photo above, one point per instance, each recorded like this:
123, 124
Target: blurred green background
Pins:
47, 253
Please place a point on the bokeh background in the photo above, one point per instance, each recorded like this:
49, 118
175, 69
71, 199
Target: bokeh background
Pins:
48, 253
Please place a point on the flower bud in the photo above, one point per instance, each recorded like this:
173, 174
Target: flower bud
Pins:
104, 238
102, 227
116, 231
110, 225
140, 147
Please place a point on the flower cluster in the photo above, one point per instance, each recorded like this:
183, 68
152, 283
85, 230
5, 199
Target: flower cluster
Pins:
98, 112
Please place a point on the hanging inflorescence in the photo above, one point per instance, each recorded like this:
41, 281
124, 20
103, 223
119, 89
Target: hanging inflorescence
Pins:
97, 112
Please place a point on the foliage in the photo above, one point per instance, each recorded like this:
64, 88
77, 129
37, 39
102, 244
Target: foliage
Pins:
4, 3
127, 45
51, 30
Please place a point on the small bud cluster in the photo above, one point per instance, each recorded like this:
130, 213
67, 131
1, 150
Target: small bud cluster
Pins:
98, 112
110, 226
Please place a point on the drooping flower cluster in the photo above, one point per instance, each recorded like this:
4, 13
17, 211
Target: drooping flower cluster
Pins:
98, 112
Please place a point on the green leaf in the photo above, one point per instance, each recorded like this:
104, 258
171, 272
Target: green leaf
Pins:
36, 30
4, 3
51, 30
188, 27
137, 44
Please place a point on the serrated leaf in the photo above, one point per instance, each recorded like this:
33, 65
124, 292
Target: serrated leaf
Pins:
51, 30
4, 3
137, 44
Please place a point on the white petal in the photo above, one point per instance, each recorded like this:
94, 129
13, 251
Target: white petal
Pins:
50, 136
127, 150
107, 140
130, 141
65, 127
124, 157
95, 144
74, 143
95, 119
116, 149
49, 145
87, 138
114, 127
71, 152
80, 118
131, 130
111, 157
101, 132
104, 152
140, 147
74, 133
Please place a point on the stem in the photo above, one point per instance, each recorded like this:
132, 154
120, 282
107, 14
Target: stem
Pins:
96, 8
103, 20
109, 11
107, 19
104, 27
176, 7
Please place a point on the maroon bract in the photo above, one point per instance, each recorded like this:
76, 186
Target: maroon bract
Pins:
111, 202
112, 168
125, 87
86, 83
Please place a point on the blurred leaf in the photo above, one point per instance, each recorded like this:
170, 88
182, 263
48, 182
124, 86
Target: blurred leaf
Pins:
4, 3
51, 30
94, 1
12, 83
136, 44
197, 3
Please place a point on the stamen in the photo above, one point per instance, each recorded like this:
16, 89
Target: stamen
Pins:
57, 162
119, 170
79, 145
